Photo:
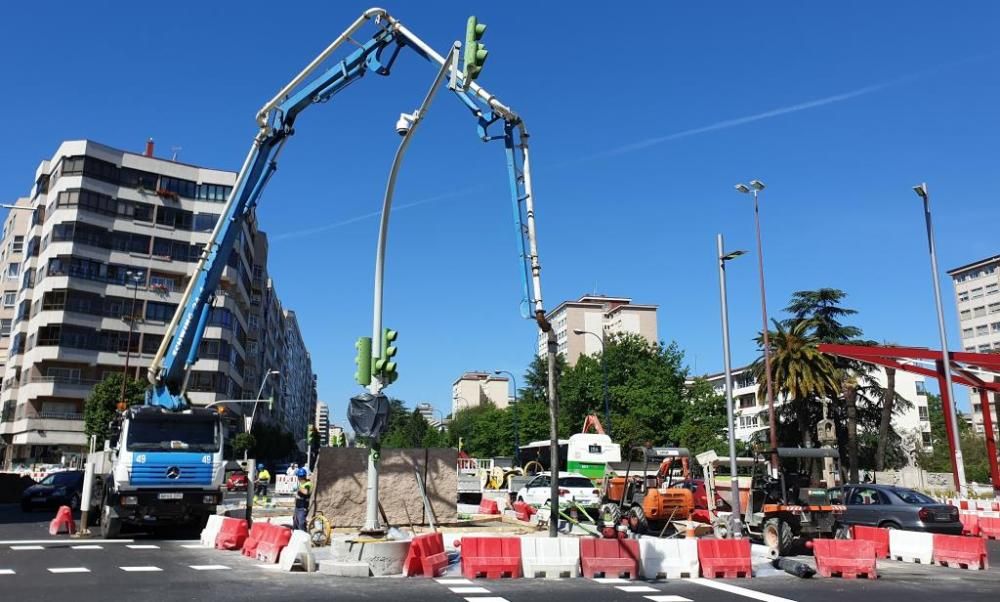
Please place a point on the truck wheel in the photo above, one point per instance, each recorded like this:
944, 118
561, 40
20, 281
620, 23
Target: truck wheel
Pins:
110, 526
611, 515
778, 536
637, 520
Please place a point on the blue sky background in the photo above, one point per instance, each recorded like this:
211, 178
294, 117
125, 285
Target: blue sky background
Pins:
641, 125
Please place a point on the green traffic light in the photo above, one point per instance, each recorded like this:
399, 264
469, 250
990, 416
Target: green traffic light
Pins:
363, 375
475, 52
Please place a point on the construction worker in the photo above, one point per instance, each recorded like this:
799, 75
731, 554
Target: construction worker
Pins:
263, 480
302, 496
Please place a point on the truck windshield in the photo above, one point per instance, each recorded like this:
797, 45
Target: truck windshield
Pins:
150, 435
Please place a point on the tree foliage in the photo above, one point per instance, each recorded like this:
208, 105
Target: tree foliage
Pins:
974, 455
100, 406
410, 429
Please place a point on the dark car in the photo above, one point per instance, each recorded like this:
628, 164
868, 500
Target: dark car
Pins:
57, 489
893, 507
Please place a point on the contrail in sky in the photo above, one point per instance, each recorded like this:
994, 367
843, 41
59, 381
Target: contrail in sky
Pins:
641, 144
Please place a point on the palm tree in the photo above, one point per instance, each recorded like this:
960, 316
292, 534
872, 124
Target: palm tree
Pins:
800, 372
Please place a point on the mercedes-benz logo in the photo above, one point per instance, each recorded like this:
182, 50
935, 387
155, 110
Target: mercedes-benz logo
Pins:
173, 472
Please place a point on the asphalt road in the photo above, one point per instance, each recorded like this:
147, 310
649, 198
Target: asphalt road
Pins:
36, 566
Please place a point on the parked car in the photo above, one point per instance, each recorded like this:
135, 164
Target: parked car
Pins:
894, 507
63, 488
572, 487
237, 481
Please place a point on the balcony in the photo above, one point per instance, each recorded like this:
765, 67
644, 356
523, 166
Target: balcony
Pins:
34, 386
31, 424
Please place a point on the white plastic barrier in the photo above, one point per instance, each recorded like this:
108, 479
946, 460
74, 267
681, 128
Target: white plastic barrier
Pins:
668, 558
550, 558
299, 549
911, 546
285, 485
211, 530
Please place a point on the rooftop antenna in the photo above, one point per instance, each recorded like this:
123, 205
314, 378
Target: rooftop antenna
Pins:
175, 150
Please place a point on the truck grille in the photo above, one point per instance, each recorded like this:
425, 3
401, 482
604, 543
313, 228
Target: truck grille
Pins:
171, 474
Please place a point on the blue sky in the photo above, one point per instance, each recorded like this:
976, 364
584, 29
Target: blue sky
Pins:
641, 124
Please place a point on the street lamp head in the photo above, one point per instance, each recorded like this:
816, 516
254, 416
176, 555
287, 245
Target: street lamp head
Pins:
921, 190
732, 255
274, 372
757, 185
743, 188
579, 331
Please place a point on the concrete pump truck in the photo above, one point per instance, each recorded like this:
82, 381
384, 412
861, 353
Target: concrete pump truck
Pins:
165, 458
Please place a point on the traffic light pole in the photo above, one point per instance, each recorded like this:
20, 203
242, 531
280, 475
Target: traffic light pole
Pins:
372, 525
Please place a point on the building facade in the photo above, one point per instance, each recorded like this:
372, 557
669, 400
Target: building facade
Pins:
602, 316
323, 423
977, 297
751, 411
11, 260
473, 389
108, 248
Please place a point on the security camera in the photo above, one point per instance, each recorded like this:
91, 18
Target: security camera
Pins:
404, 123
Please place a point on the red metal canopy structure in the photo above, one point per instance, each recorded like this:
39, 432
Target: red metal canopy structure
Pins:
965, 368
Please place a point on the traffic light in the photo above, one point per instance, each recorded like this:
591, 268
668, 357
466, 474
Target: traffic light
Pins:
385, 364
363, 375
309, 434
475, 52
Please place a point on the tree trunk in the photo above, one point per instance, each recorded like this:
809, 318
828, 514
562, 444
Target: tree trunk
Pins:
851, 399
888, 401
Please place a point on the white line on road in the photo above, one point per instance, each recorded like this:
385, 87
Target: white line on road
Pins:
454, 581
636, 589
611, 580
87, 547
209, 567
469, 590
739, 591
143, 546
27, 547
194, 546
141, 569
72, 569
486, 599
56, 542
668, 598
7, 572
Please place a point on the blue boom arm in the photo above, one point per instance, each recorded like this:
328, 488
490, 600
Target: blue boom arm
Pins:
179, 351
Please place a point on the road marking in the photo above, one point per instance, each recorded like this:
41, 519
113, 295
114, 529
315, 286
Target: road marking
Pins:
486, 599
610, 580
27, 547
469, 590
73, 569
209, 567
739, 591
454, 581
636, 589
193, 546
143, 546
7, 572
56, 542
140, 569
668, 598
87, 547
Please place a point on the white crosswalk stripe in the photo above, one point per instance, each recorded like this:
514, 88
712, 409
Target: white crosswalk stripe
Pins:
87, 547
71, 569
609, 580
469, 590
486, 599
636, 589
447, 581
7, 572
144, 546
668, 598
27, 548
141, 569
209, 567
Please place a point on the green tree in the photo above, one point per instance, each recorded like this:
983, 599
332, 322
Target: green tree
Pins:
243, 443
100, 406
939, 458
705, 423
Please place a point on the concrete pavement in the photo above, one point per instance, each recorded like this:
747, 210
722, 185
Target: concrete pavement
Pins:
35, 566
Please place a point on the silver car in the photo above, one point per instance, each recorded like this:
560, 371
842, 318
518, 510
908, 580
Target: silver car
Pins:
893, 507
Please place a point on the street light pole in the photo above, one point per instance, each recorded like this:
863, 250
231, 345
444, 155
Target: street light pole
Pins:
735, 528
513, 411
757, 186
253, 413
946, 396
134, 278
604, 370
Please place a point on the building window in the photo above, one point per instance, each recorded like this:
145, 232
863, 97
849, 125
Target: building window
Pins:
184, 188
17, 245
966, 333
162, 283
13, 270
982, 330
160, 312
926, 438
978, 312
964, 315
921, 390
9, 298
5, 324
205, 222
992, 289
963, 296
976, 293
922, 411
984, 348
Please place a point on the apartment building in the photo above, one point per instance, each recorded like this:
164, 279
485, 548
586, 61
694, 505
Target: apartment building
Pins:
581, 326
11, 258
977, 298
473, 389
109, 245
430, 414
323, 423
751, 412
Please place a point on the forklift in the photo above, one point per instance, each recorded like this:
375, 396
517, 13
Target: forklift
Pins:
788, 507
648, 500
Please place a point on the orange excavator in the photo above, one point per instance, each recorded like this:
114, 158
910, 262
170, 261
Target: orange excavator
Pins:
648, 498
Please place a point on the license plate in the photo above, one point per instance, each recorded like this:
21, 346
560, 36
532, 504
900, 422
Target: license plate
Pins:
170, 496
